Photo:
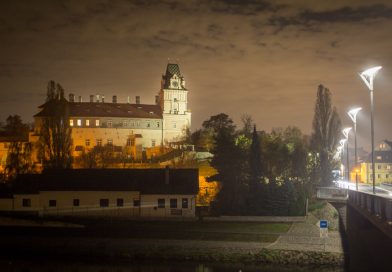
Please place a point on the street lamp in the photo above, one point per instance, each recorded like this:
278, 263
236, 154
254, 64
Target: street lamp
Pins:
368, 77
345, 132
353, 115
342, 142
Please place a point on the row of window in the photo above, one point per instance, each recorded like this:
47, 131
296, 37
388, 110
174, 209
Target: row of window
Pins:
109, 123
104, 202
130, 142
388, 167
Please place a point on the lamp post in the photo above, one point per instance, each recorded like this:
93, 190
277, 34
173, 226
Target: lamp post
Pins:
345, 132
342, 142
368, 77
353, 115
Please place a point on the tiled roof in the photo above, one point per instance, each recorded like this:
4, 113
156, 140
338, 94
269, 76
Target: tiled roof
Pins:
173, 69
146, 181
91, 109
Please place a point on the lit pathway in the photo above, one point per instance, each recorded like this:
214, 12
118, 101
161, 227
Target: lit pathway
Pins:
305, 236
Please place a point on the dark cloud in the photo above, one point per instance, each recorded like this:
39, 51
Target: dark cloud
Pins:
342, 15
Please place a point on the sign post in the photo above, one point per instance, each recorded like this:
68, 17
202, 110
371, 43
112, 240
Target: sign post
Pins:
323, 224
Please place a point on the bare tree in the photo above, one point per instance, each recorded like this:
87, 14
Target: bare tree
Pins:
325, 136
55, 140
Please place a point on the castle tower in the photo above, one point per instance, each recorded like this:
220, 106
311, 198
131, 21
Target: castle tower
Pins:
173, 100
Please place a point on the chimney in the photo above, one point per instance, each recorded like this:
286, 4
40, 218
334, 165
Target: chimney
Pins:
103, 99
128, 100
80, 99
71, 97
137, 99
91, 98
167, 174
114, 99
156, 99
97, 96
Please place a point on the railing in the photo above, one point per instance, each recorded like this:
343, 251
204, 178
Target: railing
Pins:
375, 205
332, 193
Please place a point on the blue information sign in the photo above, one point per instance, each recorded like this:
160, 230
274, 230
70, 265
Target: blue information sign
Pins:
323, 224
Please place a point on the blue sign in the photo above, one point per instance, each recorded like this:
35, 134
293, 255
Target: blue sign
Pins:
323, 224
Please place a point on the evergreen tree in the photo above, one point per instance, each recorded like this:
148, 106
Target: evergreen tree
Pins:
255, 166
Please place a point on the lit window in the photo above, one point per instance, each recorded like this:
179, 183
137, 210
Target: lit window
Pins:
110, 142
379, 157
87, 123
87, 142
152, 143
71, 123
161, 203
97, 123
99, 142
110, 123
79, 122
173, 203
388, 167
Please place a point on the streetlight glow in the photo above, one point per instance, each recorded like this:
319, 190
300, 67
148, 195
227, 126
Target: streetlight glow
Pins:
353, 115
369, 75
346, 131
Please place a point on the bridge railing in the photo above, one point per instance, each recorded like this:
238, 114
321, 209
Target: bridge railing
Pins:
376, 205
332, 193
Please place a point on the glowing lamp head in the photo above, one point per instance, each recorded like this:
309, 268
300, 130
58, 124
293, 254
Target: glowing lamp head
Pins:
346, 131
353, 114
342, 142
369, 75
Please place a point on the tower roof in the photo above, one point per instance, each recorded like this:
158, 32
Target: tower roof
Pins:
173, 69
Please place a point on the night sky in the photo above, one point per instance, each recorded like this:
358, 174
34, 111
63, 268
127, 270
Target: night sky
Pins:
263, 58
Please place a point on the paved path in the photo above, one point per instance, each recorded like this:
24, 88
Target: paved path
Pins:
305, 236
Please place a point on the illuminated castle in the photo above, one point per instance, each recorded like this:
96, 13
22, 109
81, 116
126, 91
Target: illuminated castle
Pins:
136, 127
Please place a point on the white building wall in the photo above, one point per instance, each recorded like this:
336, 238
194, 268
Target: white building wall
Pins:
149, 206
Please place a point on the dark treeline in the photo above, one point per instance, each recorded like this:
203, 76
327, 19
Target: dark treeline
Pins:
270, 173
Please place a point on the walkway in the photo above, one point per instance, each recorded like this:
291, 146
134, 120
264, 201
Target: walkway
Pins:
305, 236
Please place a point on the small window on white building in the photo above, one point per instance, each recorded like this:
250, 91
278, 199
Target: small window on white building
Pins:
26, 202
125, 123
148, 124
110, 141
136, 202
158, 124
99, 142
52, 203
378, 166
174, 125
386, 176
87, 142
87, 123
185, 203
79, 122
173, 203
388, 167
153, 143
379, 175
110, 123
71, 123
161, 203
137, 123
76, 202
104, 202
97, 123
120, 202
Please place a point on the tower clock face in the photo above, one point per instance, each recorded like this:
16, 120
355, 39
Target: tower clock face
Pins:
175, 84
